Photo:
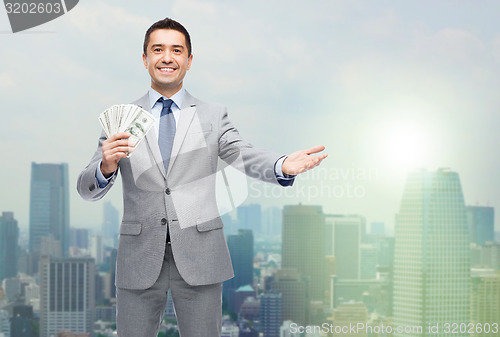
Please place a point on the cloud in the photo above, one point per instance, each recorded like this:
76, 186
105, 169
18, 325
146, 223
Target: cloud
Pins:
385, 25
495, 48
106, 20
291, 75
6, 81
451, 45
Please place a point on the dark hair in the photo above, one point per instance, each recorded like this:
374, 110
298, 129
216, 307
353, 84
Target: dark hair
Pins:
167, 23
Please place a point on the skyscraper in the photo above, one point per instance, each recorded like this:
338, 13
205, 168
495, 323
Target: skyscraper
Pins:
67, 299
485, 300
293, 291
96, 248
22, 323
350, 314
272, 220
110, 224
481, 220
303, 245
241, 250
49, 205
344, 238
431, 260
487, 255
250, 217
368, 261
112, 272
230, 331
80, 238
9, 250
4, 323
270, 313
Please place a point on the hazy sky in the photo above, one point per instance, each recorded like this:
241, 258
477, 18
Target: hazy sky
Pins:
386, 86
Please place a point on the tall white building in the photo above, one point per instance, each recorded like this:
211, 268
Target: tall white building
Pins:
431, 259
286, 329
230, 331
4, 323
96, 248
67, 301
32, 291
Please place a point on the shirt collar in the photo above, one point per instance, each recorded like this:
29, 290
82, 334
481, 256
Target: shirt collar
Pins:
178, 97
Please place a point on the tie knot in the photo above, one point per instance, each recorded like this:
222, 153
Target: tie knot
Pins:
167, 103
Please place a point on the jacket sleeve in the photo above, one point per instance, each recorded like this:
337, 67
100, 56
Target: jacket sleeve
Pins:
235, 151
87, 184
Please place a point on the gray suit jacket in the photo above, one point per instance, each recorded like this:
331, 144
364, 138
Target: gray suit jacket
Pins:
183, 198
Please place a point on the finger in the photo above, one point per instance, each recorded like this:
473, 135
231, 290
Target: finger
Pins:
115, 157
314, 162
319, 159
120, 142
119, 135
122, 149
315, 149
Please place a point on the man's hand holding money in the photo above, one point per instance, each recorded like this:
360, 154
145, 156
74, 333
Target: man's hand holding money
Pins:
114, 148
125, 125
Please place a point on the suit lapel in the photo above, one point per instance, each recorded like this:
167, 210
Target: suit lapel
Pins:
185, 118
151, 140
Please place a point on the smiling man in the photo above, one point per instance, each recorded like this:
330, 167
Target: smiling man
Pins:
167, 64
170, 235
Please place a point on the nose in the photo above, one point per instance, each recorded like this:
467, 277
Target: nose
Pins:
167, 57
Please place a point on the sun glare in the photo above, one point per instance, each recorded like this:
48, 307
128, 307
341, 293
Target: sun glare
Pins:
406, 145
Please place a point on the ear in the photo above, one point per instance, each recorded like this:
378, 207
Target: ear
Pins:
190, 59
145, 60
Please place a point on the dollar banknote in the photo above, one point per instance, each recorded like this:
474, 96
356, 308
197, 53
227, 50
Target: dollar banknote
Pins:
126, 117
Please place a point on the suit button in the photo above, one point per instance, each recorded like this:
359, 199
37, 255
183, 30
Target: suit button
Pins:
163, 221
167, 191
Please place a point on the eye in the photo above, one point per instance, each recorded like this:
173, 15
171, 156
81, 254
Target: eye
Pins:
178, 51
157, 50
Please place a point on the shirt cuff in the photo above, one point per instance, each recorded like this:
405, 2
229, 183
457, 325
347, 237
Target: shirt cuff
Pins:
102, 181
279, 172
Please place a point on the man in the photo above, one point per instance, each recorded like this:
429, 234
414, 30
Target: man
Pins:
171, 235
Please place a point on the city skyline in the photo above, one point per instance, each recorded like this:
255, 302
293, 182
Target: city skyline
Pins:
327, 268
385, 86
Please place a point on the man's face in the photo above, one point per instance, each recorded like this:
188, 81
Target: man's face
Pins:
167, 60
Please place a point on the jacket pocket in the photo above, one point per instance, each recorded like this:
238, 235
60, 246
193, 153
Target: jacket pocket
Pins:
209, 225
130, 228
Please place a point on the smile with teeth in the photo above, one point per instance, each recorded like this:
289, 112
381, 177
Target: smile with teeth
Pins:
167, 69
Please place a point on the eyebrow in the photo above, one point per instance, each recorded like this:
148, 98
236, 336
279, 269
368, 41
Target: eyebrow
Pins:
153, 46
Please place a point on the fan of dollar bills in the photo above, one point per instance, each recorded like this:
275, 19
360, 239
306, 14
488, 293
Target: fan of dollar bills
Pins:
126, 117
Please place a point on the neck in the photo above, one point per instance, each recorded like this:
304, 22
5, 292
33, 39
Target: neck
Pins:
166, 92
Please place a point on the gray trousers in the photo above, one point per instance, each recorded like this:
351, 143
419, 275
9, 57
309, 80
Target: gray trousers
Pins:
198, 308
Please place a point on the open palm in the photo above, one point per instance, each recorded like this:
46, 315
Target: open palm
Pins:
302, 161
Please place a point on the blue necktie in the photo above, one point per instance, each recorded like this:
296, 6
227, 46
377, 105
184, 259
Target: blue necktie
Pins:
167, 131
